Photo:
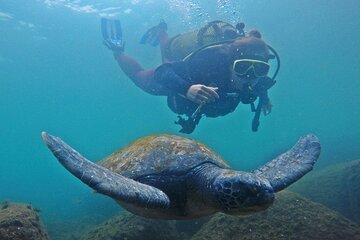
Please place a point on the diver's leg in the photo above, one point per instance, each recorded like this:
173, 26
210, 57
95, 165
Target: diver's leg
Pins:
155, 35
128, 64
144, 79
112, 39
164, 37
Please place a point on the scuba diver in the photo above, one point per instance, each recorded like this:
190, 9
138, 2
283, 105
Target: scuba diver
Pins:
204, 73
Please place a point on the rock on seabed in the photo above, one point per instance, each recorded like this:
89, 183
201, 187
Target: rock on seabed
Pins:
20, 222
292, 217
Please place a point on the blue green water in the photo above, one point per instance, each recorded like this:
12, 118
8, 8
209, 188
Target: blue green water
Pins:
56, 76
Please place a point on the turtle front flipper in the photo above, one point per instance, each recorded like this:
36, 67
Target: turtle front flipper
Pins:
103, 180
293, 164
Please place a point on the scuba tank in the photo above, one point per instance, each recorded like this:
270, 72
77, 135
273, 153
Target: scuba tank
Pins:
180, 46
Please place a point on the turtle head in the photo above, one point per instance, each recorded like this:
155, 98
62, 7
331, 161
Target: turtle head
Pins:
241, 193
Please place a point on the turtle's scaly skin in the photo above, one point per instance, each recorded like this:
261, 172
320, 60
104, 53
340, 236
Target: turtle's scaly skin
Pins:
171, 177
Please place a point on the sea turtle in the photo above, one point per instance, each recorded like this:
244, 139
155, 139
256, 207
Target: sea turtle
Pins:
172, 177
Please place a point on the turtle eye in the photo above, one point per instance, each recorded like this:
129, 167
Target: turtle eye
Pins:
253, 192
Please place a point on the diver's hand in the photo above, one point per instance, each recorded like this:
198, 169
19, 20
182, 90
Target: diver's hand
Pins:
266, 108
202, 94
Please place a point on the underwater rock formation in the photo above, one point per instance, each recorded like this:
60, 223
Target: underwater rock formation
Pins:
131, 227
337, 187
188, 228
19, 222
292, 217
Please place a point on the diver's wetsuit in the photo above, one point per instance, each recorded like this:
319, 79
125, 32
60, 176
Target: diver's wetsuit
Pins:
210, 67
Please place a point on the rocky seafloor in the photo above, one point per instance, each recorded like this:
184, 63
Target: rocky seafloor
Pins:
291, 217
337, 187
20, 222
326, 206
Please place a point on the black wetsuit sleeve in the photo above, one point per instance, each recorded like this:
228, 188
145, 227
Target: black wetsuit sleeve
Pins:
166, 76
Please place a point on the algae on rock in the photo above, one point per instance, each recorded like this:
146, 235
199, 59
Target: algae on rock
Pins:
19, 222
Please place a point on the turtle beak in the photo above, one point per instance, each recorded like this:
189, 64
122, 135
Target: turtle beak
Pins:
262, 201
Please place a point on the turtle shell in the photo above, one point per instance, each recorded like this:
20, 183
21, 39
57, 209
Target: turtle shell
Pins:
160, 154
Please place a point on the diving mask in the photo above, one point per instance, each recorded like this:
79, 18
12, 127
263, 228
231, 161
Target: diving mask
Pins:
242, 66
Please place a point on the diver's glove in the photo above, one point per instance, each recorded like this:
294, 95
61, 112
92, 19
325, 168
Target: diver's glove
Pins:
116, 46
266, 107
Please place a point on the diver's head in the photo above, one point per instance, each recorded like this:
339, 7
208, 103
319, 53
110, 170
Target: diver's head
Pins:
249, 57
251, 46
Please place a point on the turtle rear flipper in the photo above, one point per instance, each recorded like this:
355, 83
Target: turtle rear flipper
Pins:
293, 164
103, 180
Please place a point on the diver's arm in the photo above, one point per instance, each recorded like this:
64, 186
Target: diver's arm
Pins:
166, 76
142, 78
266, 104
197, 93
266, 84
128, 64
